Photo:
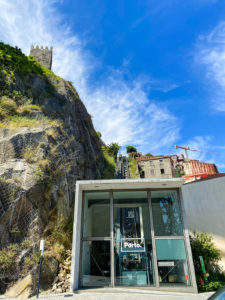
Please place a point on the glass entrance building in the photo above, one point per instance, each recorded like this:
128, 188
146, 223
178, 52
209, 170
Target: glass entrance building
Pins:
131, 233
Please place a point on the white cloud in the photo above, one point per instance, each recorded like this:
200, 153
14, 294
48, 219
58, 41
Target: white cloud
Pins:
211, 54
121, 109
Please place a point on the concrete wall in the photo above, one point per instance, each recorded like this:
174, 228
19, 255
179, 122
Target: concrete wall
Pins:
125, 184
152, 168
204, 204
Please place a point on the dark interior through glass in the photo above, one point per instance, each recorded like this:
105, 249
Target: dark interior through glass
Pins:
132, 239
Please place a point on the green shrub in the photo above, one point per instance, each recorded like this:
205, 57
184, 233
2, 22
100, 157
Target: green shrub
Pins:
113, 149
40, 175
30, 154
211, 286
110, 165
178, 172
131, 149
26, 244
133, 167
32, 260
7, 256
99, 134
13, 61
148, 154
7, 106
202, 245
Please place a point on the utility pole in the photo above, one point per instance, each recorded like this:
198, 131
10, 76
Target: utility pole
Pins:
42, 244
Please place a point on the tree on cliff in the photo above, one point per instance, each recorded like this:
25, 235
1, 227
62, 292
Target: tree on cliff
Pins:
131, 149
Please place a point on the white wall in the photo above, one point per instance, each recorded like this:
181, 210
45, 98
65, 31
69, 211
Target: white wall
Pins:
204, 204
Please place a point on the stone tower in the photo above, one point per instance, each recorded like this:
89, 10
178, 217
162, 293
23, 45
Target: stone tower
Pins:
42, 55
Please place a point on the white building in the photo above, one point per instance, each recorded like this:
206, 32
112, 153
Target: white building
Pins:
204, 203
131, 233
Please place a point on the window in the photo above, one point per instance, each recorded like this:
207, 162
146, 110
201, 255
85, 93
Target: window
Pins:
166, 213
96, 263
152, 172
172, 262
96, 215
142, 174
151, 163
162, 171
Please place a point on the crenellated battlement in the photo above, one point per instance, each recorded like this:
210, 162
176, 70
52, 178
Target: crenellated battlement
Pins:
42, 47
43, 55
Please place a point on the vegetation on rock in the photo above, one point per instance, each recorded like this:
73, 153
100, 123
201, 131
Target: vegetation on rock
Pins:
110, 164
13, 62
49, 142
148, 154
178, 172
113, 149
133, 167
131, 149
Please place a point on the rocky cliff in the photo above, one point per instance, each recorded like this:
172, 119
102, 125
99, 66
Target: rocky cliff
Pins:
47, 142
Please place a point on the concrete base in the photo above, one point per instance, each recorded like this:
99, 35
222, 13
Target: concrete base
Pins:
123, 294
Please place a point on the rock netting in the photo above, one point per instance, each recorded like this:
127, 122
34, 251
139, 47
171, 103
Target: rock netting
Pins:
61, 283
40, 164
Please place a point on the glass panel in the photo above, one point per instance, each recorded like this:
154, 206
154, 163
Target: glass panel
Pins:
95, 263
166, 213
172, 262
133, 243
96, 215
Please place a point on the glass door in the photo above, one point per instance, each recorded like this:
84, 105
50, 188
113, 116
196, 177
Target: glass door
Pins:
133, 256
96, 241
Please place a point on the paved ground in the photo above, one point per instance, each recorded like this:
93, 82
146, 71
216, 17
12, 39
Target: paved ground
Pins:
122, 294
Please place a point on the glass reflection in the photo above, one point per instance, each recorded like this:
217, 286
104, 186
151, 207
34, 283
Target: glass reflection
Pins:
132, 235
96, 215
166, 213
172, 262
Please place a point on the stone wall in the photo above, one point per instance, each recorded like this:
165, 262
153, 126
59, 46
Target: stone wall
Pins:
156, 168
42, 55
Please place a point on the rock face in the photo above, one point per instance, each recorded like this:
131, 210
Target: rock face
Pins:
22, 289
61, 283
46, 144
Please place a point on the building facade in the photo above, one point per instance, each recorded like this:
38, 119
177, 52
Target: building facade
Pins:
204, 202
155, 167
173, 166
131, 233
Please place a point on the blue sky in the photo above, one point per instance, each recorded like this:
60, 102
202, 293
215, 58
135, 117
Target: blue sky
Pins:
151, 73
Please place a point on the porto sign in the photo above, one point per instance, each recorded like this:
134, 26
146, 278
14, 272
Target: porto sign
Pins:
132, 245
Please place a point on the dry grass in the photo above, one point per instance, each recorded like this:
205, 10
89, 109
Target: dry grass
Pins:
22, 121
53, 133
30, 154
7, 106
43, 164
28, 107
